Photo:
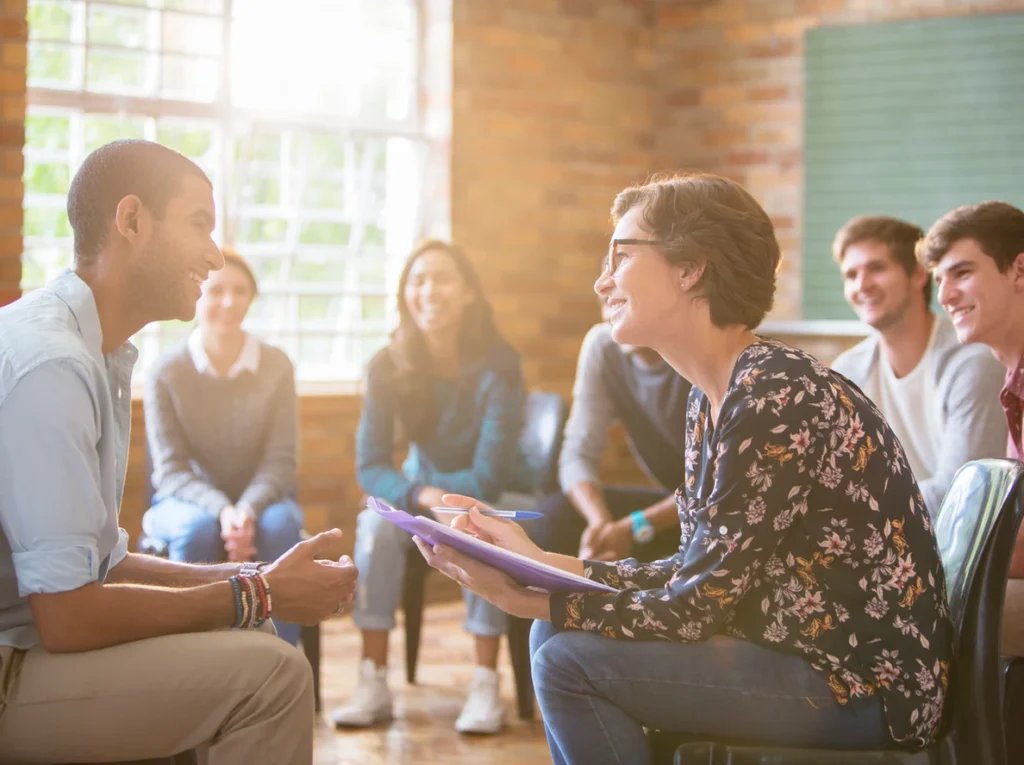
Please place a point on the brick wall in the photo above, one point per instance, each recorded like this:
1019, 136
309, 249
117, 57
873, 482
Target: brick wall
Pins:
730, 81
13, 34
551, 118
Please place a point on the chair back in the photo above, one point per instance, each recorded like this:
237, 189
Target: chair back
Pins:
976, 533
541, 438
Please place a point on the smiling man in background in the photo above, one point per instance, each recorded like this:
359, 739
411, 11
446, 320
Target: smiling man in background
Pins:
977, 255
939, 397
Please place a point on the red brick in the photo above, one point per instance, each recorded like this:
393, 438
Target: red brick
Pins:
11, 217
10, 267
773, 93
12, 134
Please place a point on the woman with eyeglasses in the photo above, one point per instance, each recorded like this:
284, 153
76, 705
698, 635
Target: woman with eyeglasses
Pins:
806, 606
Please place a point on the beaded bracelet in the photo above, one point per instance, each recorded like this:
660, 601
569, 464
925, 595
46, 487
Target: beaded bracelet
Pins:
253, 605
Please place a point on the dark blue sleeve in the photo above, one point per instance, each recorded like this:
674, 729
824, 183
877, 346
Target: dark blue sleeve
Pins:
494, 458
375, 439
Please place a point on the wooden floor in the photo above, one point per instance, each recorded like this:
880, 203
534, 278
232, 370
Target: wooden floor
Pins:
422, 731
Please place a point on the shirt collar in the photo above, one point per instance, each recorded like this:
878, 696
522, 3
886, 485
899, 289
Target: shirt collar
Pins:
1015, 380
78, 297
248, 359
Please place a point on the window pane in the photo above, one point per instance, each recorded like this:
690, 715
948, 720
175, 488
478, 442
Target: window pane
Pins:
261, 190
47, 132
325, 232
212, 7
318, 307
267, 267
263, 230
111, 72
190, 79
270, 309
315, 349
372, 272
193, 139
46, 178
124, 27
51, 223
49, 21
102, 129
260, 147
374, 308
322, 270
191, 34
50, 66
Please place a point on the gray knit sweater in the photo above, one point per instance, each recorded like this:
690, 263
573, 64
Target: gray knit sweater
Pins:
219, 441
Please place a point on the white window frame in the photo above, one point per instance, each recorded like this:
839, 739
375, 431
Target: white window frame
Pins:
346, 332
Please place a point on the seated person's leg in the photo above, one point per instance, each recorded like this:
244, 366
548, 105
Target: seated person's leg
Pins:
192, 533
155, 698
278, 529
482, 712
598, 694
380, 554
623, 500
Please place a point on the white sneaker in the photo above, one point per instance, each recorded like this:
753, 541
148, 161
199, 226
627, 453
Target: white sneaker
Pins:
371, 702
482, 712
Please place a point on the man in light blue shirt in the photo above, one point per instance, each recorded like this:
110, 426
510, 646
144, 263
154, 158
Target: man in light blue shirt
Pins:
107, 654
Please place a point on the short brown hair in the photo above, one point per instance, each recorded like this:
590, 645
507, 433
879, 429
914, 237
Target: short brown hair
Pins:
898, 235
232, 258
711, 221
997, 227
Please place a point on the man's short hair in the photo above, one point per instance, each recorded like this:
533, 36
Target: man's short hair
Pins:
712, 221
898, 235
997, 227
148, 170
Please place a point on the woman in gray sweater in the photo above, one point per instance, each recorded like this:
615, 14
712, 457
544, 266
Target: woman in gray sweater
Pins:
221, 424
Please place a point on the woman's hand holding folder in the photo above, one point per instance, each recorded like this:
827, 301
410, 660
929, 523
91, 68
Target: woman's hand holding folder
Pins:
487, 582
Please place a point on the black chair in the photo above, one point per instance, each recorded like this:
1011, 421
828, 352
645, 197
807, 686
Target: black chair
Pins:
976, 531
540, 441
310, 636
1013, 708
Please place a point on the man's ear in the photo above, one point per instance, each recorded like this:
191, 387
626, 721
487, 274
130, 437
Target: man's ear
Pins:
919, 277
1017, 272
689, 274
129, 218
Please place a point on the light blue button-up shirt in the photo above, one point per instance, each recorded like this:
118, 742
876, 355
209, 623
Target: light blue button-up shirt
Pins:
65, 415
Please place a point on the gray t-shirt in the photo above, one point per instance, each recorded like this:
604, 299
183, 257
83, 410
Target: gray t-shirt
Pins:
649, 399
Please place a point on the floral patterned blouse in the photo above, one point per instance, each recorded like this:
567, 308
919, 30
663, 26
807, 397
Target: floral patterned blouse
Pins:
803, 530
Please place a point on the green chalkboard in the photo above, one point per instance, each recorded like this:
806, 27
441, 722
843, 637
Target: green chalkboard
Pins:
909, 119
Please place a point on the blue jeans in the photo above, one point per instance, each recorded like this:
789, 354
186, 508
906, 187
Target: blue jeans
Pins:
192, 535
597, 694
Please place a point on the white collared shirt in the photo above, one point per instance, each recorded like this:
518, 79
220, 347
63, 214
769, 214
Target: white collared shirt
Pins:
248, 360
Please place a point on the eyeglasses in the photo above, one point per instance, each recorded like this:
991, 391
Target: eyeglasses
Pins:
611, 260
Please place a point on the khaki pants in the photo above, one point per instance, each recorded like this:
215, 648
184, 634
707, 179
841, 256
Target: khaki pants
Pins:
246, 696
1013, 619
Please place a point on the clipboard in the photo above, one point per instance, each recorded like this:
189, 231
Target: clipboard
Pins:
525, 571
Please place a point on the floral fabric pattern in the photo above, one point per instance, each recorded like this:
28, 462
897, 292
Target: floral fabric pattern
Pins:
803, 529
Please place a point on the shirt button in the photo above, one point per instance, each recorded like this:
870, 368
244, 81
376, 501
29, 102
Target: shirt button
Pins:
723, 530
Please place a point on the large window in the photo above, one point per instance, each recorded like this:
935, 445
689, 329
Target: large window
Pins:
305, 116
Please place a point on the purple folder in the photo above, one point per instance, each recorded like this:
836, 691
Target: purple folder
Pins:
525, 571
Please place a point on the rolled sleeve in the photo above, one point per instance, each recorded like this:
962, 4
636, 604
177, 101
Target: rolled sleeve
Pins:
51, 501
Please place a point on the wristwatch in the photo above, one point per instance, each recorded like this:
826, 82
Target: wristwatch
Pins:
643, 531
